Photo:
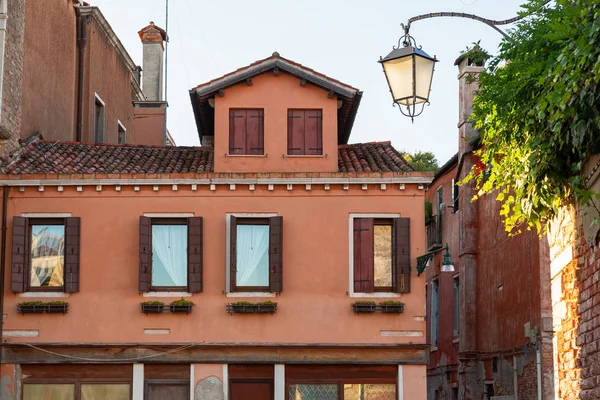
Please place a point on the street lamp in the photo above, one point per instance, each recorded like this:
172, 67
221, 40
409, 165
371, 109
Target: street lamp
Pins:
425, 260
409, 72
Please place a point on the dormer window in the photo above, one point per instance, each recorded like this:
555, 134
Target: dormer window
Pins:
246, 132
305, 132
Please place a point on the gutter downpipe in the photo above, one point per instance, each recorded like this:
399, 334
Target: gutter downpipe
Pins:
81, 43
538, 356
5, 190
515, 378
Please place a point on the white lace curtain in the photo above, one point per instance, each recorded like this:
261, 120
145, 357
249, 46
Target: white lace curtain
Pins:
169, 255
252, 255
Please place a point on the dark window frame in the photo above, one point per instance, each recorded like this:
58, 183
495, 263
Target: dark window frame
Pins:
44, 221
383, 222
260, 138
168, 221
262, 221
456, 306
290, 134
77, 383
99, 119
121, 139
171, 382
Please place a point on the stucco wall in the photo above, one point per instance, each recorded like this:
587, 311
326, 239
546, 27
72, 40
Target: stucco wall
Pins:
313, 307
50, 70
276, 94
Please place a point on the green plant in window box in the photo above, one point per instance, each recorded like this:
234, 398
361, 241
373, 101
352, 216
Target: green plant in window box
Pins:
152, 307
57, 307
391, 306
363, 306
428, 212
246, 307
28, 307
181, 306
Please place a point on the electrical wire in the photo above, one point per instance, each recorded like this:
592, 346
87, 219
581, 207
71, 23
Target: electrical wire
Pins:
102, 360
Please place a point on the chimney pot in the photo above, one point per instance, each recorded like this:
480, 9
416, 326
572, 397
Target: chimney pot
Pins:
152, 38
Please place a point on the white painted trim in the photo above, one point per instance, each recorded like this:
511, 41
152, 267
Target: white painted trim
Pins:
351, 250
227, 244
250, 294
375, 295
21, 333
98, 98
157, 331
122, 126
215, 181
43, 294
167, 294
400, 383
225, 382
404, 333
279, 382
169, 215
192, 381
46, 215
138, 382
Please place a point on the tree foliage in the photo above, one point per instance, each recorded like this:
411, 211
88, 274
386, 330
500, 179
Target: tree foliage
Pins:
422, 160
538, 112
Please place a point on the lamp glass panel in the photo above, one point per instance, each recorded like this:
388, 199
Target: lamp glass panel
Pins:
423, 74
399, 74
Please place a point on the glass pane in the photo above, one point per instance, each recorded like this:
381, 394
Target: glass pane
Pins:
48, 392
169, 255
400, 76
47, 255
423, 73
383, 255
105, 391
361, 391
313, 392
252, 255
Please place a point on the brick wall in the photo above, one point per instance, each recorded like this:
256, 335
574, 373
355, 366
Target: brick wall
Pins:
10, 121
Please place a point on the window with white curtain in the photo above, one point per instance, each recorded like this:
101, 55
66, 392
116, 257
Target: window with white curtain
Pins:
252, 254
169, 254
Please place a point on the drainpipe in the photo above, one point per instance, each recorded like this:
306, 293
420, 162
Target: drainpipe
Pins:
515, 378
5, 190
81, 43
539, 371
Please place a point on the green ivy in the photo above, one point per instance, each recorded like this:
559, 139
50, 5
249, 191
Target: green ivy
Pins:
538, 114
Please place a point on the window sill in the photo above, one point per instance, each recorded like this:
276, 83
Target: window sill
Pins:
248, 155
167, 294
251, 294
305, 156
44, 294
432, 349
375, 295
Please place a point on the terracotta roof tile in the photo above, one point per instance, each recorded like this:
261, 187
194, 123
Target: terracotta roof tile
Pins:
44, 157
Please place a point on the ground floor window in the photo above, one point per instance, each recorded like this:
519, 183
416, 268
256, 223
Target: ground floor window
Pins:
350, 391
80, 391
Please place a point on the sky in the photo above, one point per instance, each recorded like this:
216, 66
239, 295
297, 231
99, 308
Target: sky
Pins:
340, 38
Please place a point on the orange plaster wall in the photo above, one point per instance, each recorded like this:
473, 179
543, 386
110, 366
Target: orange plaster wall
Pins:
149, 127
276, 94
313, 307
203, 371
415, 382
9, 371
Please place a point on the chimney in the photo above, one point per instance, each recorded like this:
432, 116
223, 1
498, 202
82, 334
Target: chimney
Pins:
468, 84
152, 38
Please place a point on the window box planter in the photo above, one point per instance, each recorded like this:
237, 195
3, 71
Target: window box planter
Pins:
392, 307
181, 306
244, 307
32, 307
152, 307
57, 307
364, 307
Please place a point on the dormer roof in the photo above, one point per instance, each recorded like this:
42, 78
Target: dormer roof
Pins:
349, 96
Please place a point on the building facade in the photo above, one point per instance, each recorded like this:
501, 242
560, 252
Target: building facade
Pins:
297, 250
490, 321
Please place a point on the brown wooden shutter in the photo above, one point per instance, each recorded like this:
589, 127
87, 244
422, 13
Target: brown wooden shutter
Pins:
401, 255
255, 132
20, 244
276, 254
145, 279
313, 132
295, 132
72, 251
232, 252
363, 255
195, 256
237, 132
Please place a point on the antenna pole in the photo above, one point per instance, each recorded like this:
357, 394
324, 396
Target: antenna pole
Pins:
166, 67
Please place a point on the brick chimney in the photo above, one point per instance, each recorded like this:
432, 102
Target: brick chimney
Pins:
468, 78
152, 38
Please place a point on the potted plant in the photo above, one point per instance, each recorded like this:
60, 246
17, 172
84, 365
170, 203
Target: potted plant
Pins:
57, 307
266, 307
364, 306
428, 212
475, 55
181, 306
152, 307
390, 306
28, 307
245, 307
